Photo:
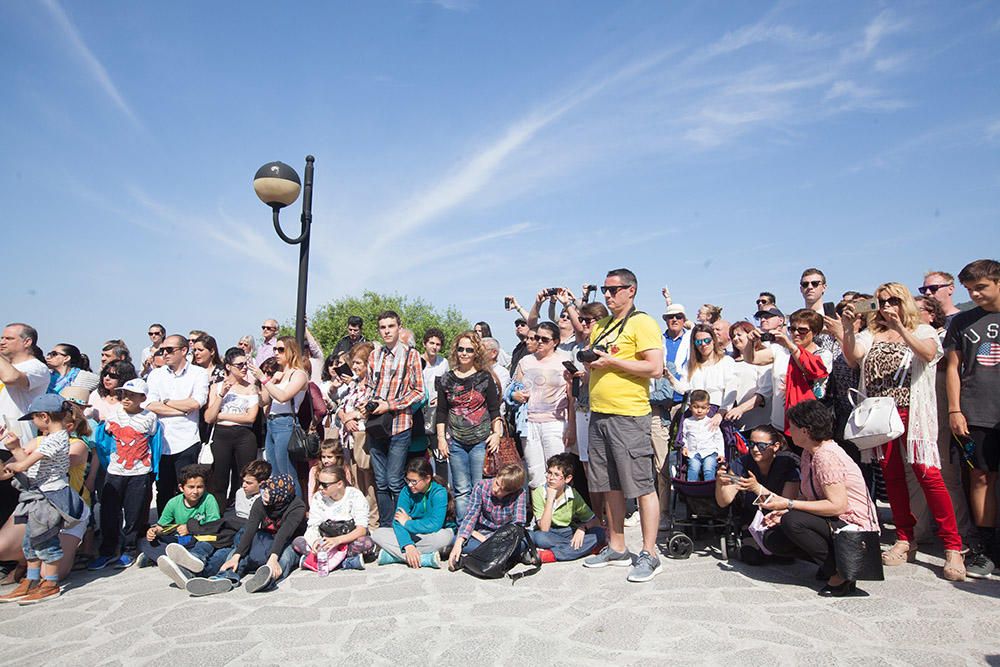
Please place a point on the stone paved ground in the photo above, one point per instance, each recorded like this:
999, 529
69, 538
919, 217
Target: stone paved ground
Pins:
699, 611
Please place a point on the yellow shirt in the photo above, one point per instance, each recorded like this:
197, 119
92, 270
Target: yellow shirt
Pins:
613, 392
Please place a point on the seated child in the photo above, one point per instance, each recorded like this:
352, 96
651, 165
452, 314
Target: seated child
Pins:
43, 469
169, 542
566, 528
492, 503
335, 501
129, 441
703, 445
424, 522
330, 454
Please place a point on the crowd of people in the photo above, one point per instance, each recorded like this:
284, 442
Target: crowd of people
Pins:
235, 467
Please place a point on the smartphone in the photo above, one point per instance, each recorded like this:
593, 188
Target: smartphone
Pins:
570, 366
344, 369
830, 309
731, 477
506, 303
863, 306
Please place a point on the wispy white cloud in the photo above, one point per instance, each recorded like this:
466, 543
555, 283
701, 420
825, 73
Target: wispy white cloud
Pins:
878, 29
88, 60
993, 130
455, 5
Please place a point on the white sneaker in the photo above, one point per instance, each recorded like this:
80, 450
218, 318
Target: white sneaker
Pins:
185, 558
632, 520
170, 568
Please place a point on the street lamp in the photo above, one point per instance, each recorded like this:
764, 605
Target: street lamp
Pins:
278, 185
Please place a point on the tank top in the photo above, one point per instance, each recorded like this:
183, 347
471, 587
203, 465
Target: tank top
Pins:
288, 407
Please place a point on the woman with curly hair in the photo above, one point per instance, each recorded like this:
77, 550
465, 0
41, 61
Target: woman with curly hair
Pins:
468, 415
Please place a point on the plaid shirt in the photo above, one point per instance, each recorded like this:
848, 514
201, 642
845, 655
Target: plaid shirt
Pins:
487, 513
388, 378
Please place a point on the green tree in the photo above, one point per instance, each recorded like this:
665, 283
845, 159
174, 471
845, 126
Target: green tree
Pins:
329, 323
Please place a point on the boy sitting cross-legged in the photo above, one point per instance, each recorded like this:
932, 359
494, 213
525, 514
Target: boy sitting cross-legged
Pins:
170, 543
566, 528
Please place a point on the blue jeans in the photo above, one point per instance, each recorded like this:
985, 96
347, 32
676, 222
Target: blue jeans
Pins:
288, 560
49, 551
697, 465
153, 551
465, 462
279, 431
558, 541
389, 466
220, 556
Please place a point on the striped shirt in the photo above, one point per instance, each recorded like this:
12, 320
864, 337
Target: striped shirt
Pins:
51, 472
487, 513
395, 376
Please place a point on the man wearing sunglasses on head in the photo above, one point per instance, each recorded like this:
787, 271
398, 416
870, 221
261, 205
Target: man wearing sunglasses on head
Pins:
940, 286
269, 336
629, 353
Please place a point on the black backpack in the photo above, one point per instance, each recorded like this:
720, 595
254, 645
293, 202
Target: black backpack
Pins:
504, 549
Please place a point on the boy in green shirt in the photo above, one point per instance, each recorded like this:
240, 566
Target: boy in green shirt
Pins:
170, 543
565, 527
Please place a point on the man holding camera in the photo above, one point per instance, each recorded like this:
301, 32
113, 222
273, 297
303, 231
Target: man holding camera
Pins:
626, 351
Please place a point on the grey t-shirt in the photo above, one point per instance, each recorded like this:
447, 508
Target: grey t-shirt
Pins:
975, 335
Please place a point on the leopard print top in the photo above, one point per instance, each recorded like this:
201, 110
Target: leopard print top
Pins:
881, 365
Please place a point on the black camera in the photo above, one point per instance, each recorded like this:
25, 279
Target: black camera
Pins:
767, 337
370, 406
589, 356
550, 291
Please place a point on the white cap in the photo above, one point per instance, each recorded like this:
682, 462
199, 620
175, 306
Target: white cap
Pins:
136, 386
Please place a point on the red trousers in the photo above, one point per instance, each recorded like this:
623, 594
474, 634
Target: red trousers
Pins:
938, 500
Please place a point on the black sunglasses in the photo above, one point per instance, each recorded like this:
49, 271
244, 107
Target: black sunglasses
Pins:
167, 350
891, 301
810, 283
467, 350
587, 320
154, 333
325, 485
932, 289
113, 376
613, 289
279, 349
242, 365
760, 446
541, 339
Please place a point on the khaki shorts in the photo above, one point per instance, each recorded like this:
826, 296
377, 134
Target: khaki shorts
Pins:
621, 455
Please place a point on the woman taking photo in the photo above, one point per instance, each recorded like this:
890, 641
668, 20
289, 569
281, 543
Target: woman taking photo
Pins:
831, 494
65, 361
468, 415
283, 394
551, 425
232, 409
897, 355
708, 369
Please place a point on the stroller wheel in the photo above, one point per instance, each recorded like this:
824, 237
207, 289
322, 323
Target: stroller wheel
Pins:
680, 546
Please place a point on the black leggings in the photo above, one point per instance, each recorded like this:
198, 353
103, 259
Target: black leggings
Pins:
807, 537
232, 448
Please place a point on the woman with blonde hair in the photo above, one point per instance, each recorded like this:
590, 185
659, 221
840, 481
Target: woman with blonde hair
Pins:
897, 355
283, 394
468, 415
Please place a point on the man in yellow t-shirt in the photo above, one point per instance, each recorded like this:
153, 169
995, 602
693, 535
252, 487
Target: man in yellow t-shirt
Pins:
629, 352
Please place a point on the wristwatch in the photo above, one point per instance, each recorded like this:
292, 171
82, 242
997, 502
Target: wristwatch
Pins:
791, 504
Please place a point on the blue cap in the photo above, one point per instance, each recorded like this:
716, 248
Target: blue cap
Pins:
44, 403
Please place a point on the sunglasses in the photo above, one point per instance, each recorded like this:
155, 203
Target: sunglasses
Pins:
932, 289
675, 316
279, 349
587, 320
810, 283
113, 376
802, 331
267, 328
760, 445
542, 339
166, 350
613, 289
324, 485
702, 342
891, 301
154, 333
465, 350
242, 365
763, 302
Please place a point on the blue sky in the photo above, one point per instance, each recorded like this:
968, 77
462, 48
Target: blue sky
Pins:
466, 150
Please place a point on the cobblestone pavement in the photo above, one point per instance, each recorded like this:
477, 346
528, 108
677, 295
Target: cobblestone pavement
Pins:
698, 611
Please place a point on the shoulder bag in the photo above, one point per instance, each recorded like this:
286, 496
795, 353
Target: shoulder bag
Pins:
205, 456
505, 454
875, 421
303, 445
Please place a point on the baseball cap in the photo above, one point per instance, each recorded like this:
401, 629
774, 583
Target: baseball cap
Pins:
43, 403
771, 311
519, 321
136, 386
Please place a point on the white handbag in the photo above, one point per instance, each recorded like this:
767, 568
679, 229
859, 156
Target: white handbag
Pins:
205, 456
875, 421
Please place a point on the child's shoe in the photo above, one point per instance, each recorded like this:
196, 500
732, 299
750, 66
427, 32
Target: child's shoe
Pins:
430, 560
546, 555
260, 580
386, 558
352, 563
200, 586
99, 563
171, 569
122, 562
185, 558
22, 590
43, 591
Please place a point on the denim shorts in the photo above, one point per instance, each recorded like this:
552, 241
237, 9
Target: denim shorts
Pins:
49, 552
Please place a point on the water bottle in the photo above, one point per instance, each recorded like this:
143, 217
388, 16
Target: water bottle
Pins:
323, 563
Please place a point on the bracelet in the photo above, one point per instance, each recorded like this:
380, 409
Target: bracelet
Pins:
954, 412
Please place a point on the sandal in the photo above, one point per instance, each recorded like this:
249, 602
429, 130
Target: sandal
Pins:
899, 553
954, 565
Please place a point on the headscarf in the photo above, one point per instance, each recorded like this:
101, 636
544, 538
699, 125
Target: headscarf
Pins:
280, 492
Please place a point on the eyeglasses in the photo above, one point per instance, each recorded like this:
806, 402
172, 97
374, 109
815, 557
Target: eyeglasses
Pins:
267, 328
465, 350
412, 482
167, 350
702, 342
541, 339
760, 445
554, 473
613, 289
810, 283
279, 349
154, 333
324, 485
891, 301
932, 289
802, 331
54, 353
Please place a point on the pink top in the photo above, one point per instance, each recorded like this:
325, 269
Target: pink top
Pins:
829, 464
547, 386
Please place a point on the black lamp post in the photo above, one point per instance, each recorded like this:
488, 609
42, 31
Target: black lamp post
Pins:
278, 185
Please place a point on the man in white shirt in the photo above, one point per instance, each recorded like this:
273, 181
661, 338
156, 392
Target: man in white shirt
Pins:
177, 391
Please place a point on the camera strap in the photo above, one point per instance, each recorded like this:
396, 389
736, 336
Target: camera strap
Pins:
616, 329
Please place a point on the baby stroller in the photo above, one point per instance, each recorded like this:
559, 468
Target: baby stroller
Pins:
700, 511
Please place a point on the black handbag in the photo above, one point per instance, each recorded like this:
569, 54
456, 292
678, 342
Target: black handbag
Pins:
303, 445
331, 528
504, 549
856, 553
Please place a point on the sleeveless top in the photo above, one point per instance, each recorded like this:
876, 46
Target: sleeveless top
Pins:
288, 407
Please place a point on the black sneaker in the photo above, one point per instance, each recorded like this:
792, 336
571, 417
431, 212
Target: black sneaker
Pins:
979, 566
